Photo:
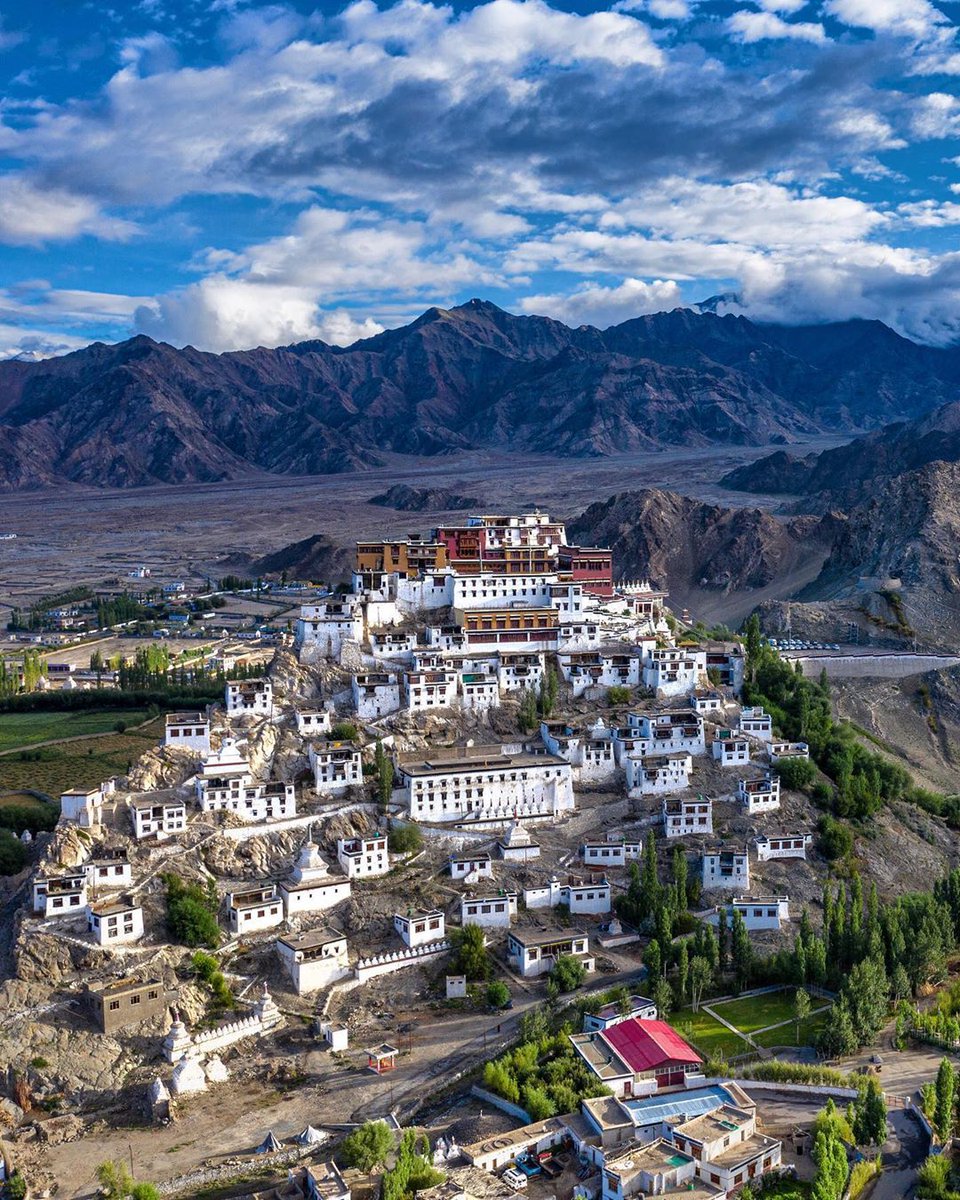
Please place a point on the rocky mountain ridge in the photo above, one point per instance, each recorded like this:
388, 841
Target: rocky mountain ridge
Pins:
472, 377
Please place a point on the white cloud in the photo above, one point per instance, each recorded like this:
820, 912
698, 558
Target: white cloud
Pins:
32, 344
936, 115
605, 306
747, 27
782, 6
31, 215
914, 18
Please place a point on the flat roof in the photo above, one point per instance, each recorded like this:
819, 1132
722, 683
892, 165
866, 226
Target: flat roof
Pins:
185, 718
517, 1137
532, 938
146, 802
120, 986
479, 762
111, 908
607, 1112
316, 937
717, 1122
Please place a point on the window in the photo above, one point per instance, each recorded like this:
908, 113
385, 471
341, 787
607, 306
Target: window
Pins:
152, 995
134, 999
114, 1005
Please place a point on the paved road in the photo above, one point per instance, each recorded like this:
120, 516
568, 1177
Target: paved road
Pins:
905, 1150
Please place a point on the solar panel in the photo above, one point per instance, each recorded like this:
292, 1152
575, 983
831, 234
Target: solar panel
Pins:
695, 1103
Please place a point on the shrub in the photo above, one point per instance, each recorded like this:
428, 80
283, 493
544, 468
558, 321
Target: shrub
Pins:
405, 839
344, 731
192, 913
796, 773
121, 727
498, 994
367, 1147
13, 854
836, 839
144, 1191
470, 952
618, 695
16, 1188
568, 973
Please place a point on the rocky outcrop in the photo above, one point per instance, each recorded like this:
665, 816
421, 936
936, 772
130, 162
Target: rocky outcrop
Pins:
404, 498
471, 377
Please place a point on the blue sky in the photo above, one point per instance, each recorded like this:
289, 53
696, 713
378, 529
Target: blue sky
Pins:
228, 174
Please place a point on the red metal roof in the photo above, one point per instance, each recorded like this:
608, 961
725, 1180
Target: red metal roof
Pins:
646, 1045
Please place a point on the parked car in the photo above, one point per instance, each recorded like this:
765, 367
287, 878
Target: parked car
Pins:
516, 1179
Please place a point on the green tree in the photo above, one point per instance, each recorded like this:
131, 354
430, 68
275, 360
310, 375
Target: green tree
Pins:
618, 695
470, 952
870, 1127
663, 998
384, 774
683, 973
367, 1147
933, 1178
801, 1008
527, 712
405, 838
568, 973
701, 976
741, 951
115, 1180
192, 912
97, 664
945, 1086
498, 994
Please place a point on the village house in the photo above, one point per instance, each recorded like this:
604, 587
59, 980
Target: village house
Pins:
82, 806
668, 733
654, 775
154, 817
535, 953
728, 1150
249, 697
607, 1015
785, 751
725, 662
479, 782
313, 721
253, 909
62, 895
188, 731
429, 689
336, 765
467, 867
324, 628
445, 639
314, 960
124, 1002
728, 749
636, 1057
399, 644
375, 694
653, 1169
489, 590
703, 701
420, 928
311, 887
110, 870
672, 671
222, 771
725, 868
495, 1152
490, 912
519, 672
578, 895
760, 794
783, 845
479, 690
756, 723
687, 815
592, 758
758, 912
115, 923
610, 853
363, 857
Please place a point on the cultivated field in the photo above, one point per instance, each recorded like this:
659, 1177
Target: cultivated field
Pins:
21, 729
55, 769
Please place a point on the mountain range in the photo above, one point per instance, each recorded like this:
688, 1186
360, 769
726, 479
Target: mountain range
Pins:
472, 377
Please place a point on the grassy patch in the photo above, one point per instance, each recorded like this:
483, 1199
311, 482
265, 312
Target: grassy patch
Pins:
20, 800
750, 1013
786, 1035
77, 764
707, 1034
19, 729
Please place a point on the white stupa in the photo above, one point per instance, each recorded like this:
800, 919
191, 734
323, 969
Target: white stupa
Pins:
188, 1077
310, 863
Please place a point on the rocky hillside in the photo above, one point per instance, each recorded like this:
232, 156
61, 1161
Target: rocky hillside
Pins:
404, 498
859, 471
143, 412
717, 561
316, 558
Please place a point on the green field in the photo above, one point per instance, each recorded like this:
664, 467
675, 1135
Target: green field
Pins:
750, 1013
55, 769
19, 729
786, 1035
707, 1034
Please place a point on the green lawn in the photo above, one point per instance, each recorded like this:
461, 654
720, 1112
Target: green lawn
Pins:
786, 1034
750, 1013
77, 764
27, 728
707, 1034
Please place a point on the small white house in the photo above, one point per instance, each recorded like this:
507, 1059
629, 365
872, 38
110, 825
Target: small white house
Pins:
687, 815
610, 854
115, 923
725, 868
756, 723
519, 672
580, 896
675, 671
783, 845
252, 910
314, 960
60, 895
363, 857
638, 1008
469, 867
82, 806
157, 817
420, 928
704, 702
668, 732
428, 689
336, 766
729, 750
536, 953
187, 731
491, 912
479, 690
109, 871
759, 795
658, 775
375, 694
758, 912
783, 751
249, 697
311, 722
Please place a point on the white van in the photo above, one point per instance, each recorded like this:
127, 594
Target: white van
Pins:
516, 1179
